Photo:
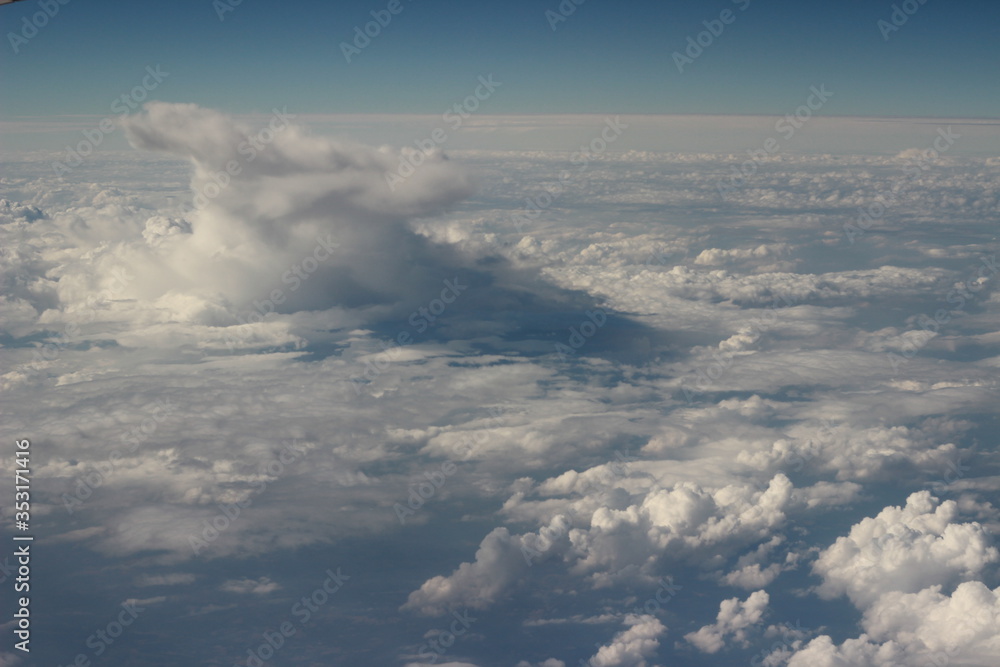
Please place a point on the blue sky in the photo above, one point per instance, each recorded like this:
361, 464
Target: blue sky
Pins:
606, 57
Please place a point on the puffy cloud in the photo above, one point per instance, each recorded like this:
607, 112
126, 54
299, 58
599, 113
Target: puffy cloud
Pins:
750, 571
720, 256
926, 627
501, 561
753, 576
12, 211
736, 619
904, 549
965, 624
861, 652
631, 647
309, 216
851, 451
312, 220
685, 523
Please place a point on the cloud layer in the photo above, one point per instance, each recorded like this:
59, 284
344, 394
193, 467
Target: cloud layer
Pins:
733, 451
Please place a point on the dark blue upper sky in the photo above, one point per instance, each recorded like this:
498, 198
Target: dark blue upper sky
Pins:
606, 57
